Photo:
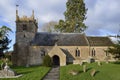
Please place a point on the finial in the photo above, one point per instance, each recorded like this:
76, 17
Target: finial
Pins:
32, 14
17, 6
17, 9
17, 17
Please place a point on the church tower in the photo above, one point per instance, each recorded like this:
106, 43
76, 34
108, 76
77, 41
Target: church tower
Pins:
26, 28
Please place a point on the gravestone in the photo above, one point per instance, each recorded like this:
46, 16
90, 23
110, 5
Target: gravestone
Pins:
7, 72
92, 73
81, 63
73, 72
90, 60
99, 63
107, 62
84, 68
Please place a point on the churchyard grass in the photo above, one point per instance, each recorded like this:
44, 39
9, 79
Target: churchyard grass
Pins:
30, 73
108, 71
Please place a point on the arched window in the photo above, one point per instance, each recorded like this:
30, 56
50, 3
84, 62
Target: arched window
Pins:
93, 52
42, 53
107, 54
77, 52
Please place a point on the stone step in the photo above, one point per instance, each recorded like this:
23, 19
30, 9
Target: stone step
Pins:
55, 68
54, 71
52, 77
49, 74
53, 74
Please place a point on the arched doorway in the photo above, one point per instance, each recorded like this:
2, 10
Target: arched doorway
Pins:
56, 60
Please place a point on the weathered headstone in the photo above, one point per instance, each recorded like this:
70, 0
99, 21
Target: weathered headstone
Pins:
90, 60
92, 73
84, 68
99, 63
27, 65
107, 62
81, 63
7, 71
74, 72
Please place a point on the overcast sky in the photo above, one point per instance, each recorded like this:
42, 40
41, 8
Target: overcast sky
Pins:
103, 16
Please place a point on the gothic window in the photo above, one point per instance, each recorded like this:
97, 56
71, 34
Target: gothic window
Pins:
24, 27
93, 52
77, 52
107, 54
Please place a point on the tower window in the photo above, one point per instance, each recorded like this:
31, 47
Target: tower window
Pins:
93, 52
77, 52
24, 27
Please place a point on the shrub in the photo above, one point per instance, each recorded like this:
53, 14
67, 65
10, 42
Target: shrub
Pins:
47, 61
116, 62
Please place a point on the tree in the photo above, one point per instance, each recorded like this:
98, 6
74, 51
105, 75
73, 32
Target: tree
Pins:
115, 50
74, 17
47, 61
49, 27
4, 40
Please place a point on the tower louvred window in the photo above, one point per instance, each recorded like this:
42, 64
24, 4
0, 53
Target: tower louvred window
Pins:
24, 27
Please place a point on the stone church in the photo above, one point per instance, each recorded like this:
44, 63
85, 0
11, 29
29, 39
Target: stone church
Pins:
31, 46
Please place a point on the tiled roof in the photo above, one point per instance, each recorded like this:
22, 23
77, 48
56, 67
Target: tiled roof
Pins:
69, 39
99, 41
62, 39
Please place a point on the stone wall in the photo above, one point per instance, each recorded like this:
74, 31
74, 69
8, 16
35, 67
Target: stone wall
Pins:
36, 54
33, 55
19, 56
31, 26
100, 54
84, 51
36, 58
24, 37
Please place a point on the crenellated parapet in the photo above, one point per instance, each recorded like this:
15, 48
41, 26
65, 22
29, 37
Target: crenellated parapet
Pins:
25, 18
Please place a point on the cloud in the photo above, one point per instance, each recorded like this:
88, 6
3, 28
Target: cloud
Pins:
103, 17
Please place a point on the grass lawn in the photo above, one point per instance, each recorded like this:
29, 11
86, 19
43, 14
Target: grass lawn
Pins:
104, 72
30, 73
